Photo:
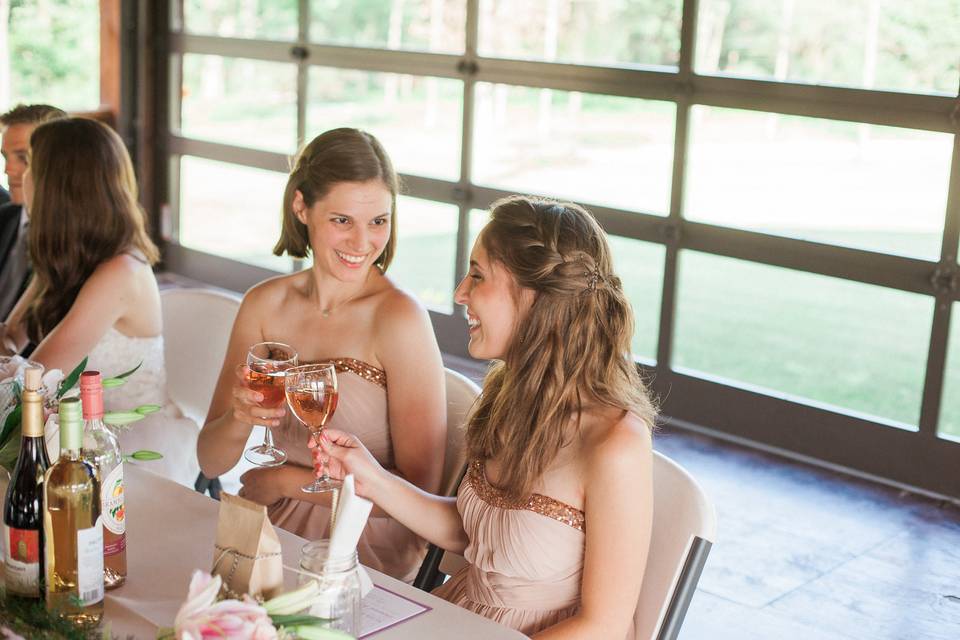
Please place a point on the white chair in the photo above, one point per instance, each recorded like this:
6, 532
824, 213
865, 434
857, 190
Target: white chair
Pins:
461, 394
196, 329
684, 528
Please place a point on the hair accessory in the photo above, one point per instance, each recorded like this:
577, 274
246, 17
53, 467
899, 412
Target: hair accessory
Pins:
593, 277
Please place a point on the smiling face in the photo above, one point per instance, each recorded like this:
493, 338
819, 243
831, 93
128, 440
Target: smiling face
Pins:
348, 228
494, 304
15, 147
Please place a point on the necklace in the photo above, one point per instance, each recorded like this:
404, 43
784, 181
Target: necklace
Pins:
325, 313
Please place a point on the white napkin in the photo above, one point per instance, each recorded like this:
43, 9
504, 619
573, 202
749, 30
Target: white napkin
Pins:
351, 518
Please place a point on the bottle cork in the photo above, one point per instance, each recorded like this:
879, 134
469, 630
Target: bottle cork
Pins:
31, 378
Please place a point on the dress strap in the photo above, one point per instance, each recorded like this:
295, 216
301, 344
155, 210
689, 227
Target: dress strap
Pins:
536, 502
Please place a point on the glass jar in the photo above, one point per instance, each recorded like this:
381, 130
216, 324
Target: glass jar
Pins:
339, 585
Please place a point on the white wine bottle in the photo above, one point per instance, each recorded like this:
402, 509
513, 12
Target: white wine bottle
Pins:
23, 506
72, 530
100, 448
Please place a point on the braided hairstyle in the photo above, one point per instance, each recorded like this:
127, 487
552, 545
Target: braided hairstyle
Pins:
572, 347
338, 155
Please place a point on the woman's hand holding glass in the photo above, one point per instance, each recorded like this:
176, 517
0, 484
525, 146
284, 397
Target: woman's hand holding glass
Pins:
258, 397
340, 453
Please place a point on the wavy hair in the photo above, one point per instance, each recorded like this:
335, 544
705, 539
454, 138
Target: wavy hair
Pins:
84, 211
335, 156
572, 347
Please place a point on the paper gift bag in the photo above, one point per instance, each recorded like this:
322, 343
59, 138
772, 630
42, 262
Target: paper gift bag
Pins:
247, 553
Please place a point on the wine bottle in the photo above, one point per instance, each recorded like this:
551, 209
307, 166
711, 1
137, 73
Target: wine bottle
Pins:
72, 530
100, 448
23, 546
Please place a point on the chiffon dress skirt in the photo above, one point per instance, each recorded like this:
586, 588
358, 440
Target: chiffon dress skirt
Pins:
385, 544
525, 558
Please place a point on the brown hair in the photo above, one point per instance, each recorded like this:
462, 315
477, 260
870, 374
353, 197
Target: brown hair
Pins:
84, 211
338, 155
31, 114
571, 347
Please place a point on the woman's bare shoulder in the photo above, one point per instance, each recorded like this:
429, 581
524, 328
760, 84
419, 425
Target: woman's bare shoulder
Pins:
275, 290
397, 308
615, 439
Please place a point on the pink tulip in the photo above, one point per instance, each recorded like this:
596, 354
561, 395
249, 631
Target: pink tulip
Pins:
203, 618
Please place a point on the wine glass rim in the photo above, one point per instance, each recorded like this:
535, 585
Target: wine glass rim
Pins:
270, 344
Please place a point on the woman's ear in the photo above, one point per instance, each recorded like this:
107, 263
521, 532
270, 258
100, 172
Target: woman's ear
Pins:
299, 206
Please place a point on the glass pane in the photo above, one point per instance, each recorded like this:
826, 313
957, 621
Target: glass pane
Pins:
426, 251
417, 119
261, 19
601, 32
248, 103
420, 25
907, 46
950, 404
53, 51
872, 187
591, 148
639, 265
846, 344
231, 211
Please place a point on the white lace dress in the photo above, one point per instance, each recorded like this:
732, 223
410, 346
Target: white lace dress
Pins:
166, 431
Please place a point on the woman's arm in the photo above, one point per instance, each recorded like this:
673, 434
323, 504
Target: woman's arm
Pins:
107, 295
619, 516
431, 517
416, 397
15, 334
234, 408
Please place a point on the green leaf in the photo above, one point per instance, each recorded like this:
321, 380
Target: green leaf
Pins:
127, 374
297, 619
120, 418
144, 455
71, 380
11, 423
110, 383
147, 409
11, 449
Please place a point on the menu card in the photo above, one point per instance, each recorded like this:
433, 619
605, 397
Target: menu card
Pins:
382, 609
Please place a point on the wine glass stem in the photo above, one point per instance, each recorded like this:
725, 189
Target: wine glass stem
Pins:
267, 437
324, 476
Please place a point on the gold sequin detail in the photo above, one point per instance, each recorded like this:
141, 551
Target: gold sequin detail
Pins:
538, 503
359, 368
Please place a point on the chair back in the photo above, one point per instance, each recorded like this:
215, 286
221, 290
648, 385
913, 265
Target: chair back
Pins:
461, 394
196, 329
684, 528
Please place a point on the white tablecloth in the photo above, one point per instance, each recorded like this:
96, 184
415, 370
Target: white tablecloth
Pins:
170, 532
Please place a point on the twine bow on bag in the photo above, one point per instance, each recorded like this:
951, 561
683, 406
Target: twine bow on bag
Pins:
247, 554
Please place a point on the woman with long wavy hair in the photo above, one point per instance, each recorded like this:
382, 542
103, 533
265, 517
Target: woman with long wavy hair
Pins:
93, 292
557, 497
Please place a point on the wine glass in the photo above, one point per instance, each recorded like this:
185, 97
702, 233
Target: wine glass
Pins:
267, 364
312, 395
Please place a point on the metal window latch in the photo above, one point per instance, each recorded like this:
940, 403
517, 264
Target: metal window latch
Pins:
945, 279
467, 67
670, 231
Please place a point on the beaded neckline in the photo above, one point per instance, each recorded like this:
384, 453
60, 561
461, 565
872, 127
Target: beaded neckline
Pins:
538, 503
359, 368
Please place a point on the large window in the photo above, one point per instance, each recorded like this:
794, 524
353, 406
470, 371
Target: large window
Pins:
780, 181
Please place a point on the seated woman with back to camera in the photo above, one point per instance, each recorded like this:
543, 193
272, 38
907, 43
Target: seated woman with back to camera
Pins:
93, 292
554, 514
339, 206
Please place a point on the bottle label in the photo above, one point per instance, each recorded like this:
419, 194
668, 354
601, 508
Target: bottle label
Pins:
90, 564
112, 509
22, 561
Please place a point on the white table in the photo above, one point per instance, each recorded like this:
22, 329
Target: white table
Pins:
171, 531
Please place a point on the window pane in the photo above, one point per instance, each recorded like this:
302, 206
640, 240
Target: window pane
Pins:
54, 54
601, 32
261, 19
950, 404
417, 119
872, 187
640, 268
846, 344
591, 148
907, 46
420, 25
426, 251
231, 211
248, 103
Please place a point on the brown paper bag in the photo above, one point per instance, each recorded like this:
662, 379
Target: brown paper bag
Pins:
247, 553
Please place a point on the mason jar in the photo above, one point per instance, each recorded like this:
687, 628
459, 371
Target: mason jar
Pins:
339, 580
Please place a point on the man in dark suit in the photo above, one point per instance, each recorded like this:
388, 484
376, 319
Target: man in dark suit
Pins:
4, 196
16, 126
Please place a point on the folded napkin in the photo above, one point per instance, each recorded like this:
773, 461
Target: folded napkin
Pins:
350, 519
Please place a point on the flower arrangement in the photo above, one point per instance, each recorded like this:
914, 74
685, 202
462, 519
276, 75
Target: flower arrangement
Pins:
203, 616
54, 387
